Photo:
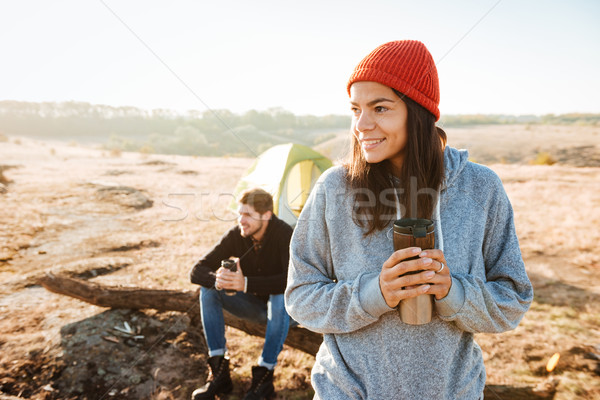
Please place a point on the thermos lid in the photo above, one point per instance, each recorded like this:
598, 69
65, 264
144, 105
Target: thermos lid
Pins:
417, 227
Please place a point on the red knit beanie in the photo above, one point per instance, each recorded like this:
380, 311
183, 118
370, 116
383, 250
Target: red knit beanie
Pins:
404, 65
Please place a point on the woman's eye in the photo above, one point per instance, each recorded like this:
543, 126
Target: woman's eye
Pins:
355, 111
380, 109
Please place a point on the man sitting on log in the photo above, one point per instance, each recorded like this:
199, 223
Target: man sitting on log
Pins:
252, 288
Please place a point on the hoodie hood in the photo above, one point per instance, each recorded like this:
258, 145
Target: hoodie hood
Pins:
454, 163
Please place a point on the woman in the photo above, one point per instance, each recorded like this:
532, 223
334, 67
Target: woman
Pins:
345, 280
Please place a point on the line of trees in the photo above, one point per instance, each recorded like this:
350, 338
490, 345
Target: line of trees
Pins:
211, 132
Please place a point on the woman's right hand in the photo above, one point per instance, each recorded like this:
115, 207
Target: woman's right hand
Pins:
396, 287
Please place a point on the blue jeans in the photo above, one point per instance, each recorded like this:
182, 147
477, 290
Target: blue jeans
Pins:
249, 307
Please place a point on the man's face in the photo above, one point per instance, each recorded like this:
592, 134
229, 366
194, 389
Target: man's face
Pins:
249, 220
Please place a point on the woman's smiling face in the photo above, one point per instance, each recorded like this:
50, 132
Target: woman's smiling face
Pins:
379, 122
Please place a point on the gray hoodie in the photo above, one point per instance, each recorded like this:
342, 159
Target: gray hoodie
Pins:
367, 351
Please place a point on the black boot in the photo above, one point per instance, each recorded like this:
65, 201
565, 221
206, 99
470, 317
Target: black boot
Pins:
262, 384
220, 382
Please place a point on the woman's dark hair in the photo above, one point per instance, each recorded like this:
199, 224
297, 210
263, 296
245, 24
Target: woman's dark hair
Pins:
420, 178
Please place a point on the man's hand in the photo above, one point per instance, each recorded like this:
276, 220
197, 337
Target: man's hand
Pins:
231, 280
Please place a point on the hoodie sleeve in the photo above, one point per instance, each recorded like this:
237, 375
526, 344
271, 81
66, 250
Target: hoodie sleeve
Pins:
498, 302
314, 297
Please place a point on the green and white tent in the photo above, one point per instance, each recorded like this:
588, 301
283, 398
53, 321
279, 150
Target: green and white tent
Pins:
287, 171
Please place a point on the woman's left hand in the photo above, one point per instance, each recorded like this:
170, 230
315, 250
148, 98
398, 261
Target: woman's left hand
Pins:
441, 281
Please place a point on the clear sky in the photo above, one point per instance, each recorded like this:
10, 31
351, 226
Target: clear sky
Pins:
495, 57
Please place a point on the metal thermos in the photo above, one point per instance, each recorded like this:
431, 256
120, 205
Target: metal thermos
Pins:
232, 266
413, 232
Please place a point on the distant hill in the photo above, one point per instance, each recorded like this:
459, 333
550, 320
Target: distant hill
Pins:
337, 147
212, 132
574, 145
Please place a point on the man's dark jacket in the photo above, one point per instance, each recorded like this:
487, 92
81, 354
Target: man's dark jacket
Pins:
266, 270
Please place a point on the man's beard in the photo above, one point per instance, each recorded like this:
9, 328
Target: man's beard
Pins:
251, 233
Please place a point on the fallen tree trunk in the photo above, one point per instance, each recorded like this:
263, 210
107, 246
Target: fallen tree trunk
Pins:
186, 301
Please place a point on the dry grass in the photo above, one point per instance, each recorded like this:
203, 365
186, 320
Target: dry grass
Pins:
543, 158
557, 219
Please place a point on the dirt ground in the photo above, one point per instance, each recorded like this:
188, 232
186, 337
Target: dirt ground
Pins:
143, 220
